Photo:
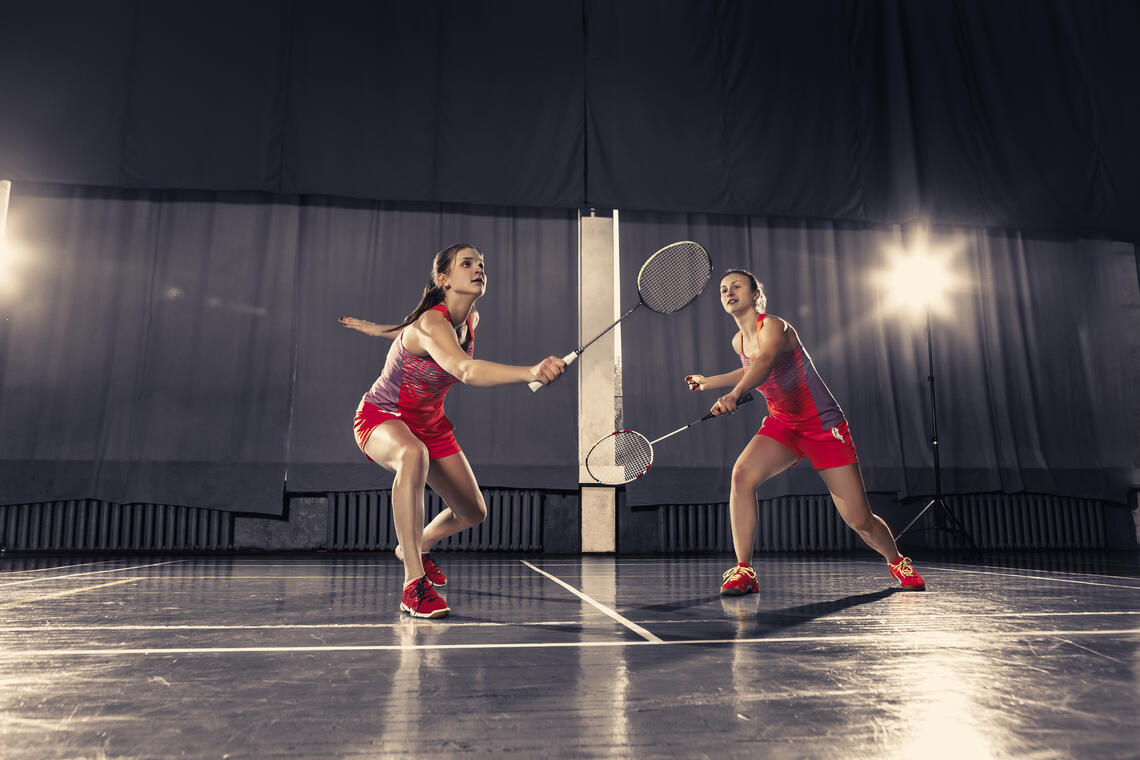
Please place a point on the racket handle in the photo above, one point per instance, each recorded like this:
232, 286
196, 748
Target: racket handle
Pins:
739, 402
568, 358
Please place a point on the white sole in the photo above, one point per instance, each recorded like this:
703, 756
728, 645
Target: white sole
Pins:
413, 613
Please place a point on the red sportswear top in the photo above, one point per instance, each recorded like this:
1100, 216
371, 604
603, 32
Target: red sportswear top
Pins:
413, 387
795, 392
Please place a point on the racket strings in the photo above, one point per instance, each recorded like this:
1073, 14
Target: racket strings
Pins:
619, 458
674, 276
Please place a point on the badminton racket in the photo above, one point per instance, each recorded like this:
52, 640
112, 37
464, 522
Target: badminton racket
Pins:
669, 280
626, 455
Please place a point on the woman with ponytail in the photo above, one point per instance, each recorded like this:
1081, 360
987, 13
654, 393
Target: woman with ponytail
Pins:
401, 426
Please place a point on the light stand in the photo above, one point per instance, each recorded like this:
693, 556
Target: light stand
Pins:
944, 519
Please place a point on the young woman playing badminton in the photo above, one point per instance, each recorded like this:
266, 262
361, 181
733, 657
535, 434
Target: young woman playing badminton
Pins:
401, 426
804, 421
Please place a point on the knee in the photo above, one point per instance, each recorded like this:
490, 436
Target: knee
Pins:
477, 511
744, 479
412, 461
861, 523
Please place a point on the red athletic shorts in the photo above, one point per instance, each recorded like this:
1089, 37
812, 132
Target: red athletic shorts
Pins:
823, 448
439, 437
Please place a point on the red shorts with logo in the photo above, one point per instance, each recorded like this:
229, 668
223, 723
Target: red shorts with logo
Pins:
823, 448
439, 438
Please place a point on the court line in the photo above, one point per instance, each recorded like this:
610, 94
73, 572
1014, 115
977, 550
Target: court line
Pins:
601, 607
281, 626
66, 593
490, 624
54, 567
1029, 577
1065, 572
93, 572
929, 641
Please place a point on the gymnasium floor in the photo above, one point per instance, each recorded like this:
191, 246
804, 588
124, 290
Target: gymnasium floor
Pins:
307, 656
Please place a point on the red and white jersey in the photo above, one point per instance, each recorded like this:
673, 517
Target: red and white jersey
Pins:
795, 392
414, 387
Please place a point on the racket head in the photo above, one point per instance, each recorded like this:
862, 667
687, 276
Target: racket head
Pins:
620, 457
670, 279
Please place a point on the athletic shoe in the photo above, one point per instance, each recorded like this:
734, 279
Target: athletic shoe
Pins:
906, 574
420, 600
432, 571
739, 580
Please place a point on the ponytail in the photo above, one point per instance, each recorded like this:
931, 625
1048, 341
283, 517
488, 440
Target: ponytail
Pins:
432, 297
433, 293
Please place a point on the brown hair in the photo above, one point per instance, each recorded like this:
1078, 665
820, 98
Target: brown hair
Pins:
433, 293
762, 301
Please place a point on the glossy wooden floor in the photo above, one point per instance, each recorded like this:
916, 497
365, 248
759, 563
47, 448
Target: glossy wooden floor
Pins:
308, 656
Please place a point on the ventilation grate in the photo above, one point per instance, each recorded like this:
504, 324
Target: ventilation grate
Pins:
362, 521
102, 526
790, 523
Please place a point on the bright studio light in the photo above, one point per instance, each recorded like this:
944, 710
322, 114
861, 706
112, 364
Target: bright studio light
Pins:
14, 262
919, 277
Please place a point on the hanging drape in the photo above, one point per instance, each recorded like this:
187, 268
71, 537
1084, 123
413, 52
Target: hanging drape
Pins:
183, 348
1016, 114
1033, 384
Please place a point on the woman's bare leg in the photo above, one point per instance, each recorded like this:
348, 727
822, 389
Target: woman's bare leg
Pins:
392, 446
846, 486
451, 477
761, 459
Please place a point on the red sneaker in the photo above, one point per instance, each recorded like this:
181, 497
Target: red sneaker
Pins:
432, 571
420, 600
739, 580
906, 574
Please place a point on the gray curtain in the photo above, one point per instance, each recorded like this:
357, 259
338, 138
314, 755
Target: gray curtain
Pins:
1018, 113
1032, 382
182, 348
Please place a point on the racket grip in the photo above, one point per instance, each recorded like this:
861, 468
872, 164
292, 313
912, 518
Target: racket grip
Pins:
568, 358
740, 402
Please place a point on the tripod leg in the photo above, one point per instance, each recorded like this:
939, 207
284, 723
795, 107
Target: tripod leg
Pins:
929, 504
957, 529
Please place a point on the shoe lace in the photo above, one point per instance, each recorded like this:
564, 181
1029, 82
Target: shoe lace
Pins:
733, 573
422, 590
903, 566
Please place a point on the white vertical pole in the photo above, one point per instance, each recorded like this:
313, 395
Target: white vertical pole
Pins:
599, 375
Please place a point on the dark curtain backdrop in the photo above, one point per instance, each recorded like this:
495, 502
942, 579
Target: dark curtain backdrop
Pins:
1017, 114
467, 101
1034, 390
182, 348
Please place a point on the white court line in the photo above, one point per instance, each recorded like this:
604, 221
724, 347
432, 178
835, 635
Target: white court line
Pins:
55, 594
945, 640
1030, 577
54, 567
280, 626
1065, 572
93, 572
604, 609
845, 619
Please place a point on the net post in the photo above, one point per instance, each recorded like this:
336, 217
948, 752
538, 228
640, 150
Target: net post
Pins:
599, 375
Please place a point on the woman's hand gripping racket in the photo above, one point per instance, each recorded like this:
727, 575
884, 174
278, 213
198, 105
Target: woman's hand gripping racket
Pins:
626, 455
669, 280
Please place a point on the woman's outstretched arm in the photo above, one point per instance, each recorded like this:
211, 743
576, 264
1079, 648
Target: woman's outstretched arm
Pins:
371, 328
434, 335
